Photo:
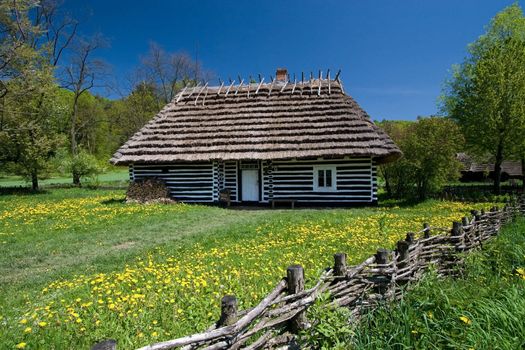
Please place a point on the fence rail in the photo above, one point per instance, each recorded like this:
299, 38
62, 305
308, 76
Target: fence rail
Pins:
281, 314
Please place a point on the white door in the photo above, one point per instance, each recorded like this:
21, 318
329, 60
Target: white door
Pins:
250, 184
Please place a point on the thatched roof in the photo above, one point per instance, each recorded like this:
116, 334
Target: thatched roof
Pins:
509, 167
277, 120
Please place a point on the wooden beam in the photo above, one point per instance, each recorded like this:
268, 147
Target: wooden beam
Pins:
239, 86
220, 87
271, 87
229, 87
181, 93
259, 86
197, 98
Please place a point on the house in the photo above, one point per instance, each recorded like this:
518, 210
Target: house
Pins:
480, 171
306, 142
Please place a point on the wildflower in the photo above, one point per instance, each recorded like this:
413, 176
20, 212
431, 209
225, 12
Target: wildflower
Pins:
21, 345
42, 324
154, 334
23, 321
465, 319
28, 330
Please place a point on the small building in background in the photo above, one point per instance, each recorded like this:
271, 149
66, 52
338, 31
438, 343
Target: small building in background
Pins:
482, 171
301, 141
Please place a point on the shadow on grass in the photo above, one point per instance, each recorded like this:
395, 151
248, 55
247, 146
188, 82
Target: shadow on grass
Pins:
21, 191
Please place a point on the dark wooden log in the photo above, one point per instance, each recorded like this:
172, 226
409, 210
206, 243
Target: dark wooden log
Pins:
340, 264
382, 278
426, 232
228, 311
381, 256
410, 237
295, 279
456, 229
109, 344
402, 253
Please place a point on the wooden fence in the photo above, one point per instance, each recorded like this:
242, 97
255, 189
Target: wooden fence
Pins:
275, 321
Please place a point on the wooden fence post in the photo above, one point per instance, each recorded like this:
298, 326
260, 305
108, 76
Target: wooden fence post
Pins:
402, 253
295, 279
228, 311
410, 237
382, 280
426, 228
340, 264
109, 344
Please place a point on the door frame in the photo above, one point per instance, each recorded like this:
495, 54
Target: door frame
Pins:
239, 181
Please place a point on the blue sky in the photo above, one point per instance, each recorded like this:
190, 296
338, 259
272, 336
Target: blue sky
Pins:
394, 54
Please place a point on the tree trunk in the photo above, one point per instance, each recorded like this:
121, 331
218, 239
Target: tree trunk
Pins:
34, 180
523, 174
73, 140
76, 179
497, 169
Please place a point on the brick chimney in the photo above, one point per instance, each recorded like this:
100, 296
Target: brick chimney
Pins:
281, 74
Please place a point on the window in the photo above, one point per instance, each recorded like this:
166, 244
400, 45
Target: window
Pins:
324, 179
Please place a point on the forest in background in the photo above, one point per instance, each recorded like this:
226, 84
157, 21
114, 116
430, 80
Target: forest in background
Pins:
55, 116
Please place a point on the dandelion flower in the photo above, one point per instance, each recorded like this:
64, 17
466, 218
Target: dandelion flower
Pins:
42, 324
28, 330
465, 319
21, 345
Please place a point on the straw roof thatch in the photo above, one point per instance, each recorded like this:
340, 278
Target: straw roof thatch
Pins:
509, 167
277, 120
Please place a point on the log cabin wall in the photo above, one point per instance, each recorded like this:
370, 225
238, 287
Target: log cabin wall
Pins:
352, 180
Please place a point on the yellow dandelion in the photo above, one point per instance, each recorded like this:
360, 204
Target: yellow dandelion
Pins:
42, 324
23, 321
21, 345
465, 319
28, 330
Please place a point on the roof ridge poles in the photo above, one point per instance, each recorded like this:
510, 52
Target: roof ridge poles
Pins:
302, 83
193, 89
285, 83
259, 86
205, 95
204, 87
229, 87
220, 87
339, 81
249, 85
294, 83
239, 86
328, 78
319, 90
181, 93
271, 86
311, 83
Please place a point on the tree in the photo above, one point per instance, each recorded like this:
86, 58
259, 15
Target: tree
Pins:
486, 95
79, 77
28, 137
429, 147
168, 72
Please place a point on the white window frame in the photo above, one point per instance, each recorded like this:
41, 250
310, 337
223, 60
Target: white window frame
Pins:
318, 188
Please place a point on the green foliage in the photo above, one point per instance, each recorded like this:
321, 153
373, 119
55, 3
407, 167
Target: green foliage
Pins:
429, 146
484, 308
330, 326
83, 164
485, 94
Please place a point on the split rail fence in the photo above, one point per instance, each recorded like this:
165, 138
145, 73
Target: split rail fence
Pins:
276, 320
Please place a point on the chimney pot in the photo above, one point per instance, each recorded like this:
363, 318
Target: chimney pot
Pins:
281, 74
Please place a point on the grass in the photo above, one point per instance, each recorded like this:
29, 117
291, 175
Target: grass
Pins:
79, 265
485, 309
